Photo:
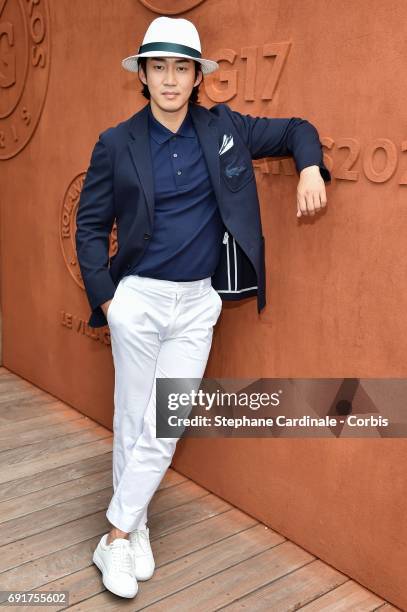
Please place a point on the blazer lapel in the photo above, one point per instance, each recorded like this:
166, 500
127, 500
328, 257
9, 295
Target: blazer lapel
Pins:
139, 146
207, 132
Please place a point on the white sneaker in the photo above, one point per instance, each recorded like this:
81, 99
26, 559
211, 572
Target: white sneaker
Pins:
144, 564
116, 562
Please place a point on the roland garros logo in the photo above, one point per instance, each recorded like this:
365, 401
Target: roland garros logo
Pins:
166, 7
24, 71
67, 228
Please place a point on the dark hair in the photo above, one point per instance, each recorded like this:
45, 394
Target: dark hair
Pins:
142, 61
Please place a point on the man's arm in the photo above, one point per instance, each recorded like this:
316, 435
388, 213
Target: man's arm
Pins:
94, 222
280, 137
296, 137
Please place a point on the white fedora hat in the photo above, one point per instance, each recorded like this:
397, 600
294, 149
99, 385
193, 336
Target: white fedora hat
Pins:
170, 37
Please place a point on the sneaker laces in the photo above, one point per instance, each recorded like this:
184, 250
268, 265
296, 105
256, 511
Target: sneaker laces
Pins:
140, 537
122, 557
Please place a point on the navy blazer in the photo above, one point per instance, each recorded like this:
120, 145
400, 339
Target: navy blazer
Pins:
119, 185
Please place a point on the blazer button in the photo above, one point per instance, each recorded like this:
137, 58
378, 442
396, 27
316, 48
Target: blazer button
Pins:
146, 236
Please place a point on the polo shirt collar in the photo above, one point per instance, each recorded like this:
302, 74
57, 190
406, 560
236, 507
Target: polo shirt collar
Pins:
161, 134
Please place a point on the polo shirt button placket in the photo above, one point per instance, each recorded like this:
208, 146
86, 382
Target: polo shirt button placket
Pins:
175, 155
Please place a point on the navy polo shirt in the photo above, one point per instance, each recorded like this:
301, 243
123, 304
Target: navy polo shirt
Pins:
187, 232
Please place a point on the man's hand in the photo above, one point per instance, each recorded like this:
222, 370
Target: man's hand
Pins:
311, 195
105, 307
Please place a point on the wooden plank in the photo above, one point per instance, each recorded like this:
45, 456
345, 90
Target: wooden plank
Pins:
292, 591
54, 460
388, 608
9, 387
13, 380
213, 578
51, 496
41, 521
49, 478
32, 574
190, 513
86, 432
30, 452
64, 512
21, 408
34, 550
13, 390
39, 422
33, 436
348, 596
179, 494
4, 371
171, 478
174, 545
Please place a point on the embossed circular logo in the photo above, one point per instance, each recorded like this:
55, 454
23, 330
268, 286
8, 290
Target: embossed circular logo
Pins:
24, 71
67, 228
166, 7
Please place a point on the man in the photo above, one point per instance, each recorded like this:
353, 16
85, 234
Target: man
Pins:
178, 178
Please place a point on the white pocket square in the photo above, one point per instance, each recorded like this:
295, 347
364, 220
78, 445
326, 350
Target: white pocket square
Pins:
226, 144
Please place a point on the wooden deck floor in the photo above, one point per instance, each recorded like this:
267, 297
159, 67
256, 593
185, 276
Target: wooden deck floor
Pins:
55, 486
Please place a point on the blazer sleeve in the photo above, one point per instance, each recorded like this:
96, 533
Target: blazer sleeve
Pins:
275, 137
94, 222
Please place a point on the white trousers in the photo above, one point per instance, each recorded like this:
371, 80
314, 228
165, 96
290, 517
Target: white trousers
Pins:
161, 329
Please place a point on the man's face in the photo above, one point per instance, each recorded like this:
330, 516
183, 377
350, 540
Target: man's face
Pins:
170, 81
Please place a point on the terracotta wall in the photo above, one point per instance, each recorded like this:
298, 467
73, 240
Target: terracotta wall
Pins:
336, 283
